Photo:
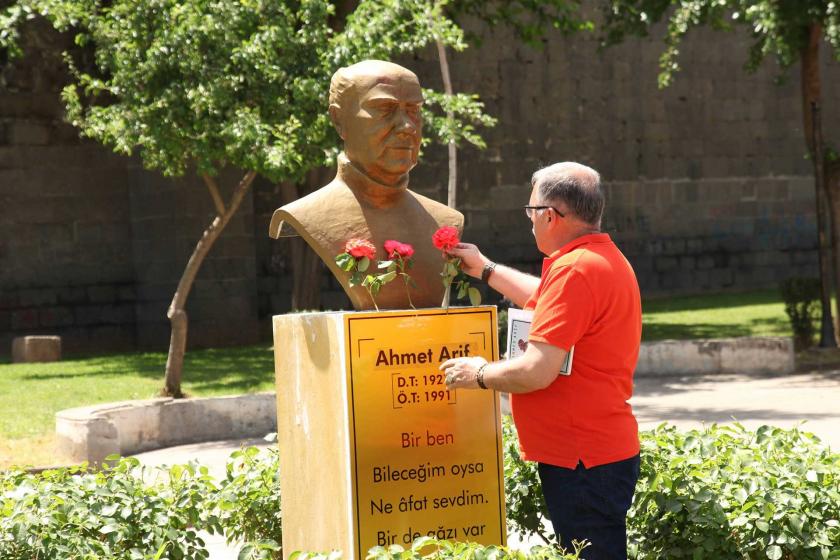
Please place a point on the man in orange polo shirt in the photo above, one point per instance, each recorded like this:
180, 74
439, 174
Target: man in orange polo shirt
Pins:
578, 427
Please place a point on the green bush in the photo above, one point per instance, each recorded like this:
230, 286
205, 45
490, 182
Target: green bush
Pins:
431, 548
246, 506
720, 493
802, 302
727, 492
72, 513
524, 503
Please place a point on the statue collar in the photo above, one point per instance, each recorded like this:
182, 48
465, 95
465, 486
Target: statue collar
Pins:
367, 189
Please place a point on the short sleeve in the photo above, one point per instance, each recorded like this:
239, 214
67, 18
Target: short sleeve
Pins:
565, 308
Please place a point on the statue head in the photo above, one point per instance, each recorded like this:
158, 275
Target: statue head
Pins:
375, 107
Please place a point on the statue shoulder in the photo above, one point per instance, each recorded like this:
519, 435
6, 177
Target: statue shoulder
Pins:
307, 211
443, 214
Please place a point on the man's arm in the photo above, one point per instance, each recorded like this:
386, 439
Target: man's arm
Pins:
514, 285
535, 369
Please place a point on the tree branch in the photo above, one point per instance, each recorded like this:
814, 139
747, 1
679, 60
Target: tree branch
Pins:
213, 187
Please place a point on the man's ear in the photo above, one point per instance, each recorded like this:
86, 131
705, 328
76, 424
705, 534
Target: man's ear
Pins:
335, 117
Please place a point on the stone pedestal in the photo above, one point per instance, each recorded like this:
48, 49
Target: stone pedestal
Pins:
373, 449
36, 349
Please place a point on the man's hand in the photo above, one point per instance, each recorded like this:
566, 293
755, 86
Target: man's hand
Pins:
472, 261
461, 372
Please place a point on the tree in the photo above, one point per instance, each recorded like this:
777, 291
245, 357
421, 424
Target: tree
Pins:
202, 86
790, 30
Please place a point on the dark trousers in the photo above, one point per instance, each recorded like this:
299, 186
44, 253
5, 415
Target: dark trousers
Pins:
591, 504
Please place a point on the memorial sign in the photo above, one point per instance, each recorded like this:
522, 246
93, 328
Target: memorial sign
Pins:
426, 460
373, 448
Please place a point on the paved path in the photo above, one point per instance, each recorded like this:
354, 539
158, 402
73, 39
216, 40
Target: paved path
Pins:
753, 400
687, 402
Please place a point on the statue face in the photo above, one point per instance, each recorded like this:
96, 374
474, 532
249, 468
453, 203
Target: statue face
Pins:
382, 129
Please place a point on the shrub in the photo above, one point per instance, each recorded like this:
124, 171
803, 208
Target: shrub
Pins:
719, 493
431, 548
246, 505
801, 297
525, 505
726, 492
72, 513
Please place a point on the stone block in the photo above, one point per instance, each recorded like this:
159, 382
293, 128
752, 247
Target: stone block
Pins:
102, 294
35, 298
55, 317
24, 319
28, 349
665, 264
72, 295
29, 133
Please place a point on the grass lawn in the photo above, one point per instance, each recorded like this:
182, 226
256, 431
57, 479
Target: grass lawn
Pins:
31, 394
759, 313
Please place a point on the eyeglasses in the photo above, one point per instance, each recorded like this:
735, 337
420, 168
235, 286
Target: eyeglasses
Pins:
531, 210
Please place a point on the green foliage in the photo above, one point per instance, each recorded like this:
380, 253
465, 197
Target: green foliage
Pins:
529, 19
727, 492
802, 303
72, 513
209, 84
429, 548
453, 277
246, 506
720, 493
467, 111
778, 28
525, 505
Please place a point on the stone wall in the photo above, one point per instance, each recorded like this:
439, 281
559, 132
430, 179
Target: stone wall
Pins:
65, 259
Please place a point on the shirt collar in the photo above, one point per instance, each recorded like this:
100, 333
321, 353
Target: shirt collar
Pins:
574, 244
367, 189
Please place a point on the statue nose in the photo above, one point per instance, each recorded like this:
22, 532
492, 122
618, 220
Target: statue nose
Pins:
406, 123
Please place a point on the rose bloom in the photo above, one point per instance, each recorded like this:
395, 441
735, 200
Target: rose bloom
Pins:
446, 238
395, 248
359, 248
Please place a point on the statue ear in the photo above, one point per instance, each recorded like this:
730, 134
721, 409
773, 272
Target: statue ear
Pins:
335, 117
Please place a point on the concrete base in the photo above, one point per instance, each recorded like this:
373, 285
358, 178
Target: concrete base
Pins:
124, 428
27, 349
719, 355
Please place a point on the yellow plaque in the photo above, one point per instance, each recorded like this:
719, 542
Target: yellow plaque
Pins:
424, 460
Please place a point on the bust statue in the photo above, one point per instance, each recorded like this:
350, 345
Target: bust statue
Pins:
375, 107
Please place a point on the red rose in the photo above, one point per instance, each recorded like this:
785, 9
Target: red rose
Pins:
395, 249
446, 238
359, 248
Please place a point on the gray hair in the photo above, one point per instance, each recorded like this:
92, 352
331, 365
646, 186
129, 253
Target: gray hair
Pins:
578, 186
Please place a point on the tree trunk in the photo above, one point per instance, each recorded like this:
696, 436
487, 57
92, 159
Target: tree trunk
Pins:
452, 188
826, 217
831, 180
176, 313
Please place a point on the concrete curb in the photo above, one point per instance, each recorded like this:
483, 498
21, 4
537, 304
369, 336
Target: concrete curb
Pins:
747, 355
92, 433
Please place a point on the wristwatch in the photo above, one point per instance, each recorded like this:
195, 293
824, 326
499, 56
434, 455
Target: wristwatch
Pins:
487, 271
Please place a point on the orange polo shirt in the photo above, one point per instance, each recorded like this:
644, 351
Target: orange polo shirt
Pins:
588, 298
